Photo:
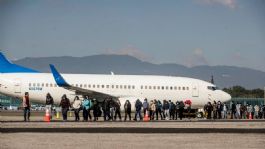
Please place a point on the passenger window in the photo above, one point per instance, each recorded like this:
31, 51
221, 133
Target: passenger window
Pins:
166, 87
55, 85
81, 85
107, 86
171, 87
112, 86
162, 87
183, 88
85, 86
179, 88
102, 86
47, 85
154, 87
129, 87
142, 87
38, 84
133, 87
125, 86
117, 86
158, 87
98, 86
94, 85
175, 88
76, 85
29, 84
120, 86
187, 88
42, 84
150, 87
51, 85
89, 86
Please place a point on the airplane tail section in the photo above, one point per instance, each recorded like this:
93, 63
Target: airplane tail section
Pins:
8, 67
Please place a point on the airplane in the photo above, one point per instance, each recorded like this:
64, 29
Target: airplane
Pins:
15, 80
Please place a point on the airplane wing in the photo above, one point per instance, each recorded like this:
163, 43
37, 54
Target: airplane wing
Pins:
60, 81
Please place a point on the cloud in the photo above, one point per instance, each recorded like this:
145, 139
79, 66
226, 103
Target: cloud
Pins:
227, 3
131, 51
196, 58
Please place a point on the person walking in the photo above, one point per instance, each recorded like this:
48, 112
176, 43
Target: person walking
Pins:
127, 109
86, 104
177, 109
152, 110
159, 109
224, 111
181, 109
104, 108
256, 111
138, 107
96, 110
65, 104
172, 110
233, 110
26, 106
219, 109
111, 108
49, 104
145, 106
214, 110
77, 106
209, 109
117, 104
166, 109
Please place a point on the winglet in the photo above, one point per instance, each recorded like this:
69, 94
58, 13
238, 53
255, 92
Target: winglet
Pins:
57, 77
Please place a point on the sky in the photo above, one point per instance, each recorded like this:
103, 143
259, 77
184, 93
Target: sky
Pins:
187, 32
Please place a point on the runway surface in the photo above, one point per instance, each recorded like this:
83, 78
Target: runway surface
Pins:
188, 133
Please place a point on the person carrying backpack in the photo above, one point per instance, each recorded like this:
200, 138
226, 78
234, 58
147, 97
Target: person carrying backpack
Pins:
65, 104
138, 107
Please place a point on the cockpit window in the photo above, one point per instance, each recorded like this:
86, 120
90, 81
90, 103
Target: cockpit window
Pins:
213, 88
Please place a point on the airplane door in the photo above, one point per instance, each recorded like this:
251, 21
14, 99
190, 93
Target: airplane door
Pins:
17, 87
195, 90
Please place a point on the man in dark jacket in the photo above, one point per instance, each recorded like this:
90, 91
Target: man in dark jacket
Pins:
209, 109
117, 104
138, 107
127, 109
172, 110
65, 104
181, 109
233, 110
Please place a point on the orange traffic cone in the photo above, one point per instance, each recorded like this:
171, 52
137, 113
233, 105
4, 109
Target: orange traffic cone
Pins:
47, 116
250, 116
146, 117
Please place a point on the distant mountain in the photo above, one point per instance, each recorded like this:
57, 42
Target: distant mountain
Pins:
224, 76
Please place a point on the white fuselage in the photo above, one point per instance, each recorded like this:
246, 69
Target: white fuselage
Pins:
125, 87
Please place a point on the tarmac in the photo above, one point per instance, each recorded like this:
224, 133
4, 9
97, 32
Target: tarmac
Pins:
188, 133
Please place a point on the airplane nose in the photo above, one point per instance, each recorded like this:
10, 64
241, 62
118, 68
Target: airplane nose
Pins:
226, 97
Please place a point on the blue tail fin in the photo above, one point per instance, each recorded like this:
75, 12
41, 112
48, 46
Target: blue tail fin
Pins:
8, 67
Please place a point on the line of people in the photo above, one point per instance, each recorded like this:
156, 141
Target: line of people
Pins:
218, 110
112, 109
166, 110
